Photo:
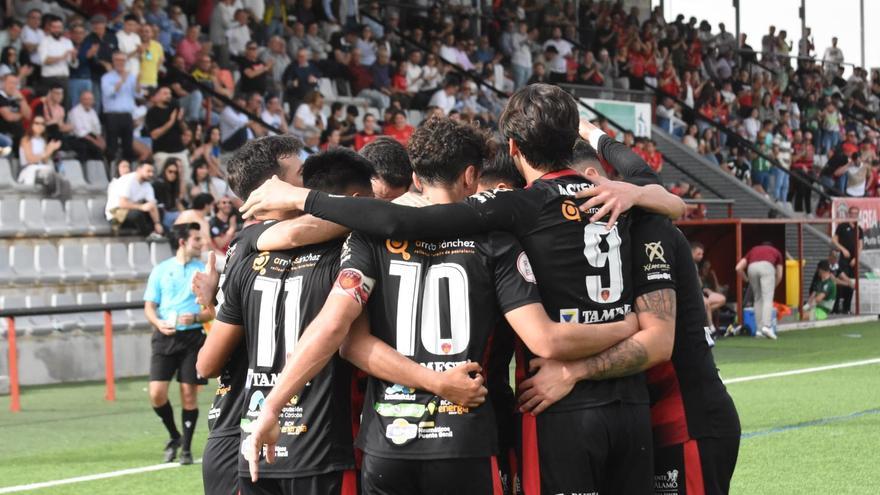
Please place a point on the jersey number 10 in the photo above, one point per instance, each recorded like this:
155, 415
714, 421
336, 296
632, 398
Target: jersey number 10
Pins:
444, 303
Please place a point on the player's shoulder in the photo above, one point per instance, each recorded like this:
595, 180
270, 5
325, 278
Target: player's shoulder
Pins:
245, 241
493, 195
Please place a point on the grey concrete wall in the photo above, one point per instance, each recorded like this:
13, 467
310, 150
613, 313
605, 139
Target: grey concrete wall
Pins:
74, 358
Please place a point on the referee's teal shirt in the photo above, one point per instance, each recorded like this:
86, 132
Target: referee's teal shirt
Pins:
170, 287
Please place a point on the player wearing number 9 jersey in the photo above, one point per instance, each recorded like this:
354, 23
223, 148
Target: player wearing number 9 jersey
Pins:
273, 295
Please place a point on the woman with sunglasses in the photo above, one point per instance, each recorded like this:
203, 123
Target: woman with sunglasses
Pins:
167, 190
37, 165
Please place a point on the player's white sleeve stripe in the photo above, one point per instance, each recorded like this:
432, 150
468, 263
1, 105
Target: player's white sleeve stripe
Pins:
802, 371
91, 477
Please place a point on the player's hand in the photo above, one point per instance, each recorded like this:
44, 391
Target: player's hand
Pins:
264, 432
585, 127
844, 252
273, 195
632, 323
204, 284
552, 382
167, 328
616, 198
459, 387
186, 319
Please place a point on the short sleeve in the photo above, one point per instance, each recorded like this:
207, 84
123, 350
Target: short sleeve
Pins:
153, 292
515, 284
357, 253
507, 210
230, 294
653, 254
245, 242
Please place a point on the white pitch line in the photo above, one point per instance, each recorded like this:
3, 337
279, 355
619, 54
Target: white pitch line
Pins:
850, 364
91, 477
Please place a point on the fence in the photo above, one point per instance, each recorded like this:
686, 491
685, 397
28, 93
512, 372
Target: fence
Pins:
109, 377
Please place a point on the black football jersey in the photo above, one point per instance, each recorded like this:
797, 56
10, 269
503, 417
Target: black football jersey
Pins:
275, 295
688, 399
436, 302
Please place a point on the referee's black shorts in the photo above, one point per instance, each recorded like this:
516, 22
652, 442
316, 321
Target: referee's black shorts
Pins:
176, 354
220, 465
605, 449
696, 467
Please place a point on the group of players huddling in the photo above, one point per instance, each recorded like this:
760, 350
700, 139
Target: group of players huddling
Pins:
433, 294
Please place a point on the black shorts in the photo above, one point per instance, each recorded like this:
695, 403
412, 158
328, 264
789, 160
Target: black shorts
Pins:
461, 476
176, 354
334, 483
605, 449
220, 465
696, 467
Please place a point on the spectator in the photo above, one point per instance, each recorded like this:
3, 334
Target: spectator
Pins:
399, 130
37, 165
80, 68
301, 77
381, 73
802, 168
367, 46
163, 123
833, 57
274, 114
188, 95
308, 114
315, 43
118, 88
167, 189
762, 265
276, 56
31, 36
857, 175
11, 36
51, 107
824, 294
254, 72
128, 41
368, 134
152, 57
713, 299
56, 53
202, 182
101, 59
201, 205
9, 64
563, 49
444, 98
14, 110
363, 84
224, 225
539, 74
87, 140
238, 34
783, 157
652, 156
131, 202
848, 238
521, 56
236, 128
209, 151
392, 169
189, 47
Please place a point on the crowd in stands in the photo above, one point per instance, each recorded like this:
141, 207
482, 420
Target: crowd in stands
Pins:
135, 82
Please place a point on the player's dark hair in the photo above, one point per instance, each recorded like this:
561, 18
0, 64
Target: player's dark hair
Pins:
697, 245
180, 232
500, 168
202, 200
543, 122
257, 161
583, 155
390, 161
336, 171
824, 266
442, 149
131, 17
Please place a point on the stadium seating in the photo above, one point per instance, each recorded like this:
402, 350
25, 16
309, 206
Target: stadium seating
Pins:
70, 255
73, 171
8, 180
117, 261
96, 173
54, 220
94, 257
121, 317
10, 221
22, 261
35, 326
97, 220
46, 264
76, 216
138, 318
31, 216
159, 252
139, 258
65, 322
93, 321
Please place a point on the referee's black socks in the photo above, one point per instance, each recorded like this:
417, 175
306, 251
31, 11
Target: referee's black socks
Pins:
167, 414
189, 417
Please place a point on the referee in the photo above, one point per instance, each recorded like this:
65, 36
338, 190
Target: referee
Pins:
171, 308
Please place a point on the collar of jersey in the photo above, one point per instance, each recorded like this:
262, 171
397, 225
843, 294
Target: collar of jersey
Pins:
554, 175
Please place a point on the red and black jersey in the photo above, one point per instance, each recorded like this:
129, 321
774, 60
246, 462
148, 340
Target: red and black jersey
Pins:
579, 265
274, 296
437, 302
688, 399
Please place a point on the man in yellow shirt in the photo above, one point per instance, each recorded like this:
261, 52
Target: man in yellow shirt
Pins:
152, 57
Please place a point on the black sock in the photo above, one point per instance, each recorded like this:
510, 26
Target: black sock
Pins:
189, 417
167, 414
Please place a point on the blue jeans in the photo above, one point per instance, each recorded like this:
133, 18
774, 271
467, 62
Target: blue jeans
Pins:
761, 179
829, 140
76, 87
192, 106
521, 75
780, 184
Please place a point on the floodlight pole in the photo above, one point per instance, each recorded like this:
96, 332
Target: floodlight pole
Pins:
802, 12
736, 7
862, 27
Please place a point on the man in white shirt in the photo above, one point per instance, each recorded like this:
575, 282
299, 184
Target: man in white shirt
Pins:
833, 57
563, 48
56, 53
235, 127
444, 99
521, 59
131, 202
238, 35
88, 141
129, 42
414, 80
32, 34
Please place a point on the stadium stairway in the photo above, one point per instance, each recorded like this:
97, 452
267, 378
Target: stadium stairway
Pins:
749, 204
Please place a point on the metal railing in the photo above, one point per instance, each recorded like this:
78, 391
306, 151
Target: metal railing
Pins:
11, 337
712, 201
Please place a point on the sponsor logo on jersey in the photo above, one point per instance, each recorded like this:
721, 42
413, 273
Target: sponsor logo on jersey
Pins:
401, 431
570, 211
484, 196
399, 392
569, 315
230, 252
260, 262
654, 251
666, 483
256, 403
573, 189
400, 410
307, 258
345, 254
398, 247
525, 268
